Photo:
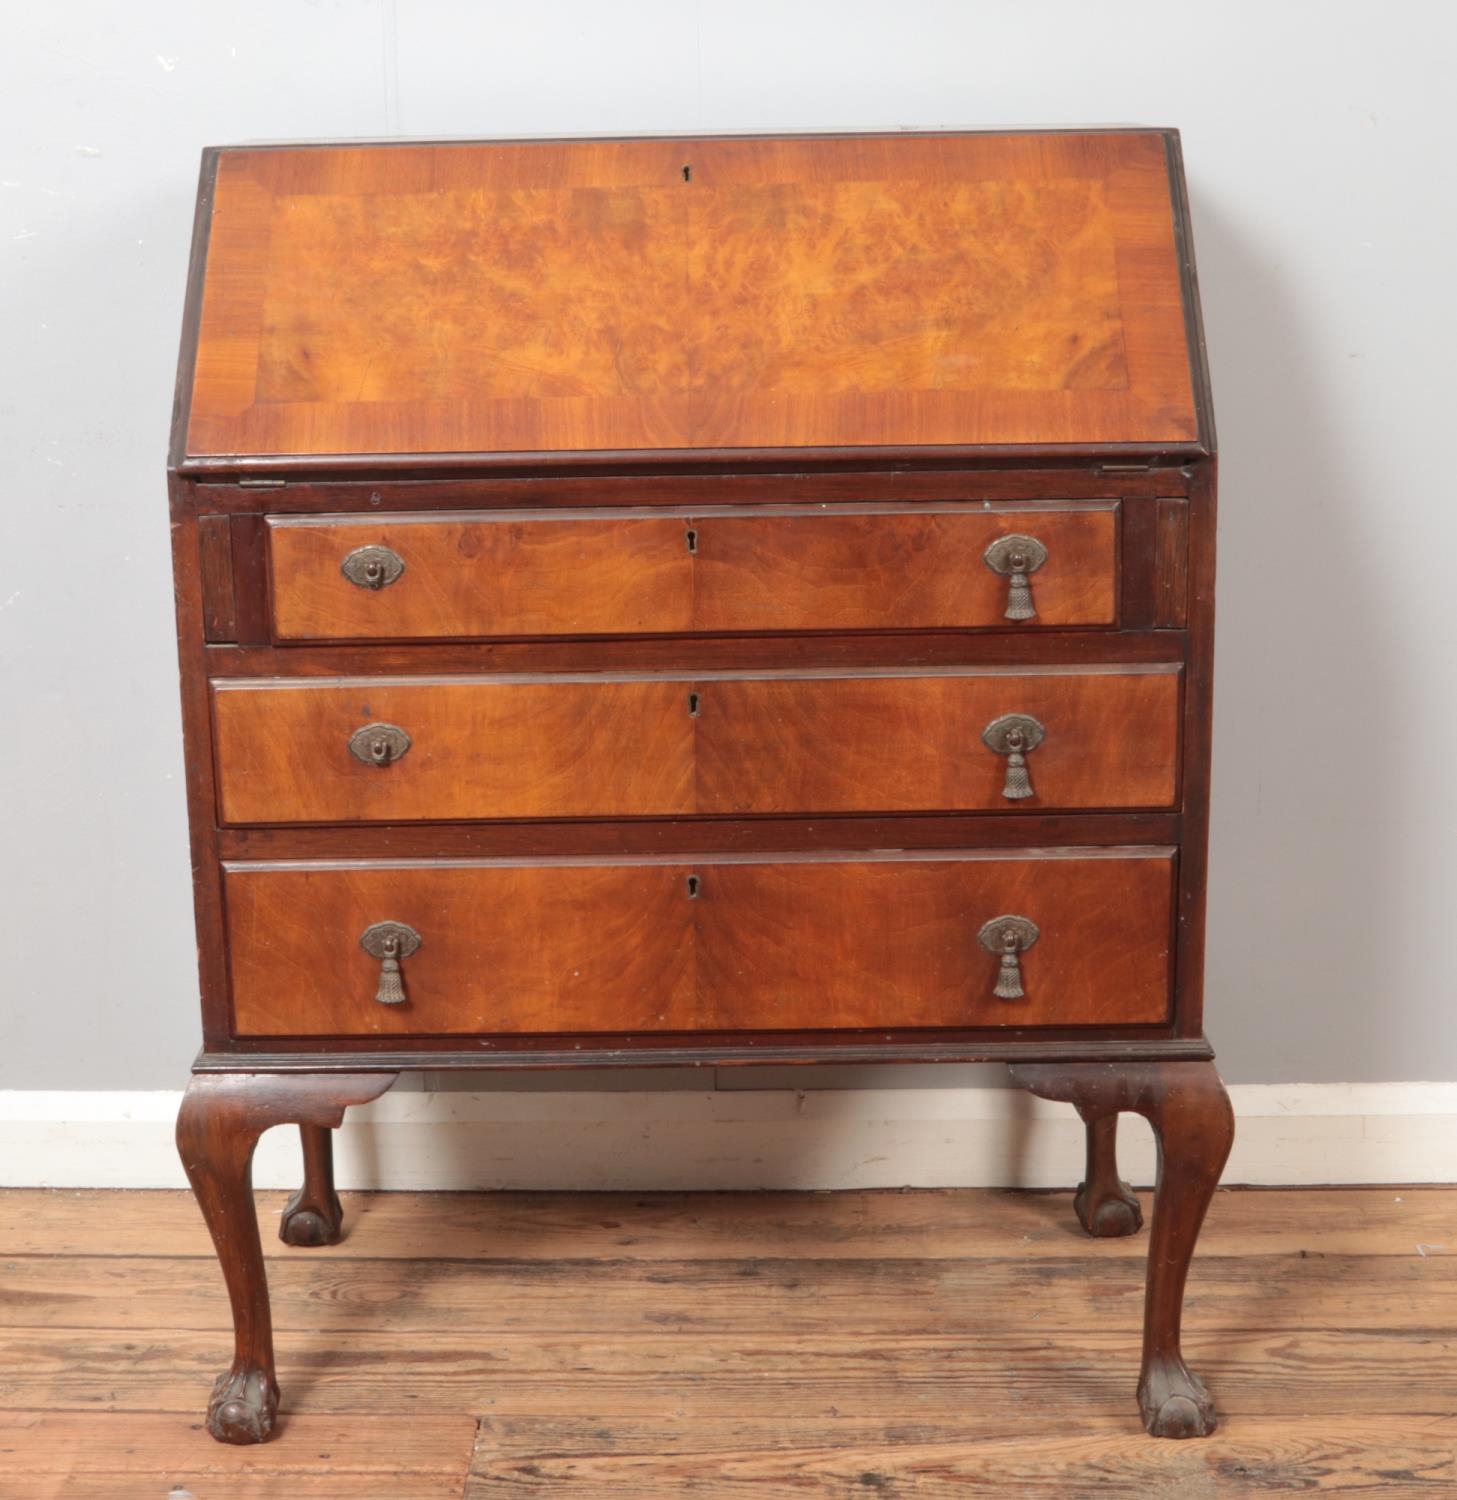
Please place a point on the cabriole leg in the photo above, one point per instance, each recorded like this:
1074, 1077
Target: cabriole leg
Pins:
1194, 1126
1105, 1205
314, 1215
218, 1126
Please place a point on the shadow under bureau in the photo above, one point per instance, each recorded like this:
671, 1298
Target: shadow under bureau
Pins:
697, 601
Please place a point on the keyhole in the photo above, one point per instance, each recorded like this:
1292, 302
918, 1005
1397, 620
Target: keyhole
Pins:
692, 540
692, 887
692, 705
687, 174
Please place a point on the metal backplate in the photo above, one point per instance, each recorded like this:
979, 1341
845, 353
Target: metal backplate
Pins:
1015, 554
993, 936
379, 744
389, 940
372, 567
997, 735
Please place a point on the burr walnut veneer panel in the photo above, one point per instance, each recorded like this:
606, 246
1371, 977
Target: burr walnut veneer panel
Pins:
692, 294
770, 568
793, 743
727, 945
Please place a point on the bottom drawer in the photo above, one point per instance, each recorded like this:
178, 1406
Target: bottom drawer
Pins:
821, 942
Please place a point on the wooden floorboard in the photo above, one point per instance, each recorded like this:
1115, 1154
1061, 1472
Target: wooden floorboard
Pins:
918, 1225
1393, 1457
738, 1345
65, 1454
791, 1298
1062, 1371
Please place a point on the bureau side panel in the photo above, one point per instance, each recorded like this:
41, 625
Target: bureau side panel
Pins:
198, 760
1198, 740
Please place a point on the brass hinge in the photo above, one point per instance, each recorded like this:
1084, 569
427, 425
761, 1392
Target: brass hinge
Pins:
1124, 468
262, 484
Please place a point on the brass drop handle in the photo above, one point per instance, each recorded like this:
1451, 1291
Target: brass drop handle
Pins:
379, 744
1007, 938
1016, 558
372, 567
1016, 736
389, 942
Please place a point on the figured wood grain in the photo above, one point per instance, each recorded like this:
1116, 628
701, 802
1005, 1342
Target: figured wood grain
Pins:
861, 944
713, 945
688, 294
475, 577
898, 571
484, 750
504, 749
780, 569
504, 948
879, 744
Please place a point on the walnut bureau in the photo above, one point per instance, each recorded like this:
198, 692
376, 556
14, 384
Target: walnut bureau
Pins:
697, 601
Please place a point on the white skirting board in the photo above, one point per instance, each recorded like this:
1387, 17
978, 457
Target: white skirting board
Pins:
1295, 1134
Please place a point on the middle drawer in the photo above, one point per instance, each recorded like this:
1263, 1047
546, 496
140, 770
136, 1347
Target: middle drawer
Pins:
385, 750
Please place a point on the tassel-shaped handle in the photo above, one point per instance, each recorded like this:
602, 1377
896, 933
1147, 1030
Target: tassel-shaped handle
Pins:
391, 989
1016, 558
1016, 736
389, 942
1008, 938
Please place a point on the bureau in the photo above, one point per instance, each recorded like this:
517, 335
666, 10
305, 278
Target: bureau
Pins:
697, 601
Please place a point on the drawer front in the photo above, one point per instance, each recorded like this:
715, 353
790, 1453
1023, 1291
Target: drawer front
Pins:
477, 750
482, 749
776, 568
503, 948
1109, 739
783, 944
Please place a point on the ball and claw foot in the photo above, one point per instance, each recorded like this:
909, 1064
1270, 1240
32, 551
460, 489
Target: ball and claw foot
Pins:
243, 1406
1109, 1215
308, 1223
1175, 1403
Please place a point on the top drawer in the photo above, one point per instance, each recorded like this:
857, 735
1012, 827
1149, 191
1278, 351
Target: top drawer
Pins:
468, 575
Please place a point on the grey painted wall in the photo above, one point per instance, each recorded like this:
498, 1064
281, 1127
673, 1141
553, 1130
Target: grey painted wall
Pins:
1319, 138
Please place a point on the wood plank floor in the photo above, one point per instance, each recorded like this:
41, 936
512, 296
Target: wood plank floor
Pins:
738, 1345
